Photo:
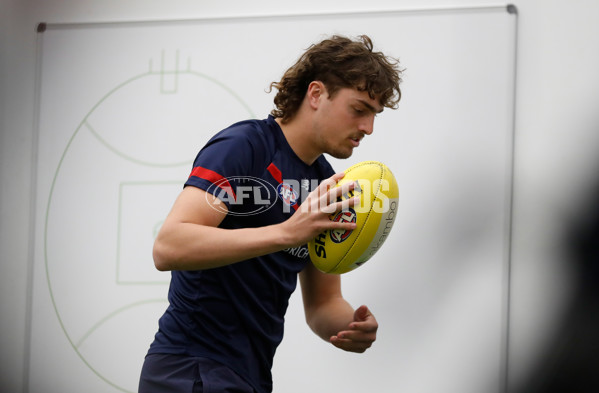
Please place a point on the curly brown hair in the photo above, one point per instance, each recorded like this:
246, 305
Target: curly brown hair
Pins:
338, 62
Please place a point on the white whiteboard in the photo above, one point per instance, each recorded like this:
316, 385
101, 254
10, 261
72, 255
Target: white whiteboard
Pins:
124, 108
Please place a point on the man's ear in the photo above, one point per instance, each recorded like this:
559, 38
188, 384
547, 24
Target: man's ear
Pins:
316, 92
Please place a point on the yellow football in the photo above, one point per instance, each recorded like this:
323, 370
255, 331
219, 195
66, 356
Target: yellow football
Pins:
340, 251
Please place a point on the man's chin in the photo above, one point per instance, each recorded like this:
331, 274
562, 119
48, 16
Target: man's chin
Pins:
340, 154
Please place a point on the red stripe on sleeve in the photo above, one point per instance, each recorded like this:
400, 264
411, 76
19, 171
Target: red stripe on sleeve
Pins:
275, 172
215, 178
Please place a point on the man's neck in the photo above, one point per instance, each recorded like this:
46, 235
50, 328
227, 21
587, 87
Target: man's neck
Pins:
297, 133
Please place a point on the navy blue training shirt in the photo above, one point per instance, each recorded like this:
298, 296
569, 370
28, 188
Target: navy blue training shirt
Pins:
235, 314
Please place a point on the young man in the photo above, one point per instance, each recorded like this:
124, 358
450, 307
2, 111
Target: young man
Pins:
234, 260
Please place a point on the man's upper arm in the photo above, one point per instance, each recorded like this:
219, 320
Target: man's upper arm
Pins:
196, 206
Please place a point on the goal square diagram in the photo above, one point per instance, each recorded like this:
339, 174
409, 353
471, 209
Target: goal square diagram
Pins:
143, 206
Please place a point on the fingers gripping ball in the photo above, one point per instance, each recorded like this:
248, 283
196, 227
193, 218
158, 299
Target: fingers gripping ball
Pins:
340, 251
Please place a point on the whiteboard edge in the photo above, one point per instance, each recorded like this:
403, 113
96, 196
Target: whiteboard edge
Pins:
509, 8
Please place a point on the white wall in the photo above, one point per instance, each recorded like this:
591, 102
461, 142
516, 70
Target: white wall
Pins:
556, 144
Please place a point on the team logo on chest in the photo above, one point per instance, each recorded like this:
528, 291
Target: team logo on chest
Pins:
340, 235
287, 194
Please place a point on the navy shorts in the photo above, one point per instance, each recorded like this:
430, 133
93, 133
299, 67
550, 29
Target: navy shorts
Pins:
163, 373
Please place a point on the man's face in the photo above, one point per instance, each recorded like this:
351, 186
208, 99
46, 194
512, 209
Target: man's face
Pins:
342, 121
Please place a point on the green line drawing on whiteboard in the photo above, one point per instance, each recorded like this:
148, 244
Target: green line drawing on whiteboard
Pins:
125, 156
161, 74
163, 90
169, 83
113, 314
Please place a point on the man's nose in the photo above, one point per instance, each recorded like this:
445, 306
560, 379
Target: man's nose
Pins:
367, 125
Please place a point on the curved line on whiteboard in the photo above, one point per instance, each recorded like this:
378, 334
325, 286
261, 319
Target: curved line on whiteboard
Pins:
112, 315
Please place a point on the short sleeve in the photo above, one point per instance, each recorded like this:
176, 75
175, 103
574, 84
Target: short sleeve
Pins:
235, 153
